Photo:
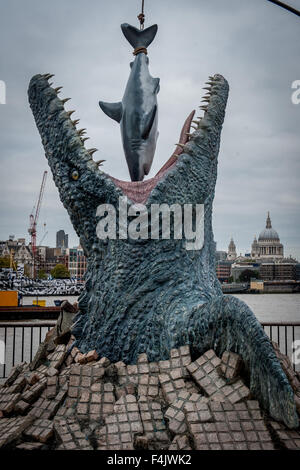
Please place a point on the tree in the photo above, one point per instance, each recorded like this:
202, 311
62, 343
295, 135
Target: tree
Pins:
247, 274
42, 274
60, 272
5, 262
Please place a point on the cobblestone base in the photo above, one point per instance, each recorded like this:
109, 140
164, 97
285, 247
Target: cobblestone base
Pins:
80, 401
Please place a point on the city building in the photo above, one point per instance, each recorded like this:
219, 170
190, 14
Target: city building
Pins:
62, 239
279, 270
268, 245
221, 255
223, 269
238, 268
231, 255
77, 263
18, 252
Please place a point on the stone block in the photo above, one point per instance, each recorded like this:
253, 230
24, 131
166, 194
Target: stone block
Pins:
148, 385
13, 375
57, 357
104, 362
175, 413
47, 409
180, 443
205, 373
12, 428
41, 430
8, 402
32, 394
92, 356
22, 407
121, 426
33, 378
25, 446
155, 428
289, 438
230, 365
70, 435
171, 385
237, 426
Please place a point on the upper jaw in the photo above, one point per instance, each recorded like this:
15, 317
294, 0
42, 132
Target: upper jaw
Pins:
196, 151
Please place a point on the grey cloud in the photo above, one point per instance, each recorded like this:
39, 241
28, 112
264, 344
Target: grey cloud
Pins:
253, 44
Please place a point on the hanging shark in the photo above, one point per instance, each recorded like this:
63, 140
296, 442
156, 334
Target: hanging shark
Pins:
137, 112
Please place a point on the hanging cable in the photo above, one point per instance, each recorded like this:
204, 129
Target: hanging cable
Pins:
285, 6
141, 16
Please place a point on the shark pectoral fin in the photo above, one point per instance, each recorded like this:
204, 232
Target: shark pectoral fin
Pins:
113, 110
149, 119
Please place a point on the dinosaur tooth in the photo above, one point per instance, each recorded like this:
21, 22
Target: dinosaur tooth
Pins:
65, 100
48, 75
194, 127
206, 88
196, 122
203, 107
92, 151
99, 162
180, 145
75, 122
84, 139
69, 113
81, 131
57, 90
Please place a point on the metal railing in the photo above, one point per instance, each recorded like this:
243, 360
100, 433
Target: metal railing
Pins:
284, 334
22, 339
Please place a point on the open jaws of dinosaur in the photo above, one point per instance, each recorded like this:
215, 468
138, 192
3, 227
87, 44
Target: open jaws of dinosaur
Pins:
194, 137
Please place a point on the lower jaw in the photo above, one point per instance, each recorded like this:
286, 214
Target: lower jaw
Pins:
139, 191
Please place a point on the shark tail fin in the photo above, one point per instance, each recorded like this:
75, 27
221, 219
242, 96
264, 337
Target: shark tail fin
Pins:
139, 38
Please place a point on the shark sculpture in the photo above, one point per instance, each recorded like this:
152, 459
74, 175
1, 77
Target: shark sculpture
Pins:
149, 296
137, 112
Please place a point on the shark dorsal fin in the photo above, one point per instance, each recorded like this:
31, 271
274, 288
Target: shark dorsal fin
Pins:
112, 110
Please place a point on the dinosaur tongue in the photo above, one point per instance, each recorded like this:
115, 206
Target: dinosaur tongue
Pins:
138, 191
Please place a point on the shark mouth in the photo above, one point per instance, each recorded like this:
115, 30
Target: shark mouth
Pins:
138, 191
63, 141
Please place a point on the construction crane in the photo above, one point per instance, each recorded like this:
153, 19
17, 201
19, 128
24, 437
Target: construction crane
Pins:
33, 219
43, 238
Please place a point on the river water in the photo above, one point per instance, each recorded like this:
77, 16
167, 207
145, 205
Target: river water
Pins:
267, 308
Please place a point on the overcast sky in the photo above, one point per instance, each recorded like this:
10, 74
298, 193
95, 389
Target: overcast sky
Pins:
253, 43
